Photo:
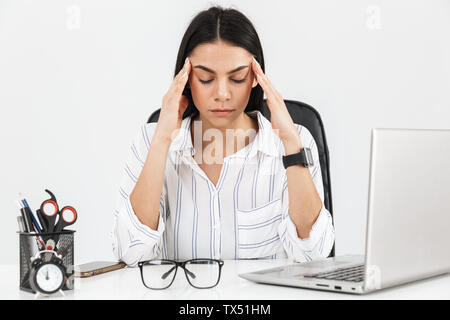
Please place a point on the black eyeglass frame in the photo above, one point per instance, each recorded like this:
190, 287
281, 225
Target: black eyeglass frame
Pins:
181, 264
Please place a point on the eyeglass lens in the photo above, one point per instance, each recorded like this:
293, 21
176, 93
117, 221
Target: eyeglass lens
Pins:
206, 273
157, 274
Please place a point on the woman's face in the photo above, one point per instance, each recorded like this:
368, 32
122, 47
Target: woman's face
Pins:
221, 78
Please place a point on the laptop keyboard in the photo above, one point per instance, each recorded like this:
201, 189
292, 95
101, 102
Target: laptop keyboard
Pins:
353, 274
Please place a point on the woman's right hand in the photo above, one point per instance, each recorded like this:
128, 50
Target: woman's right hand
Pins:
173, 105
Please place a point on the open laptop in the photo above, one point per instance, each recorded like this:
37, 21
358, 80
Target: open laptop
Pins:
408, 220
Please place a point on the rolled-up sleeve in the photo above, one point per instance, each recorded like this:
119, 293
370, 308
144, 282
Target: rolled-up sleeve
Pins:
132, 240
321, 237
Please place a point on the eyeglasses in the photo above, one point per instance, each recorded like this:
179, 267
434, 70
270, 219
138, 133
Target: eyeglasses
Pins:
200, 273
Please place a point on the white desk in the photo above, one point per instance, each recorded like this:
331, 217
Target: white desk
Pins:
126, 284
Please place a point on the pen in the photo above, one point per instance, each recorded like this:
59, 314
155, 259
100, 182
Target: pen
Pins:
30, 225
30, 228
24, 216
30, 213
41, 220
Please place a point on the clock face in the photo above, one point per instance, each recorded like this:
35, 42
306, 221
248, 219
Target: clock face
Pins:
49, 278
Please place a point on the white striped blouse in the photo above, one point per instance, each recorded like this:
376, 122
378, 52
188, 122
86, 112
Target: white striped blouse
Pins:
245, 216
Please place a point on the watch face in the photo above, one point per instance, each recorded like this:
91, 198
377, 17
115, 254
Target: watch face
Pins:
309, 157
49, 278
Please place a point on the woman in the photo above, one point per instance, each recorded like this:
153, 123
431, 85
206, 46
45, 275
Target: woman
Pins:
207, 180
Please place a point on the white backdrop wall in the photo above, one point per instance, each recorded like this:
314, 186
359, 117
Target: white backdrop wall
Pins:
78, 77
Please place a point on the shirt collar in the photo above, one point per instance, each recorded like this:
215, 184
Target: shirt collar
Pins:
265, 141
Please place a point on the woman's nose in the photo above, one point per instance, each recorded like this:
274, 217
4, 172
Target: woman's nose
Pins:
223, 90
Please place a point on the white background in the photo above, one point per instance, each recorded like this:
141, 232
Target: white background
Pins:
78, 78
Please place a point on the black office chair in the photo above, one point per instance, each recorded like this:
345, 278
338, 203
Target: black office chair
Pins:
308, 117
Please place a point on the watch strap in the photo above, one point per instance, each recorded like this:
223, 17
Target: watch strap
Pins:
304, 157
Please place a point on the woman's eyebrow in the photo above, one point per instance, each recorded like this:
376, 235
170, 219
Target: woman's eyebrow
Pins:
213, 72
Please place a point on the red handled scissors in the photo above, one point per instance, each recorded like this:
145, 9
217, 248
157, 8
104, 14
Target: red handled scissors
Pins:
51, 218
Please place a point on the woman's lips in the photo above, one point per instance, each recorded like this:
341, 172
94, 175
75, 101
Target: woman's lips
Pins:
224, 112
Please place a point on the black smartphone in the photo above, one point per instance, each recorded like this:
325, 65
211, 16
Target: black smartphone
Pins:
97, 267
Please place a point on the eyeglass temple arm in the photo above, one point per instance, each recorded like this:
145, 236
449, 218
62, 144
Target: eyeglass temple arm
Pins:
165, 275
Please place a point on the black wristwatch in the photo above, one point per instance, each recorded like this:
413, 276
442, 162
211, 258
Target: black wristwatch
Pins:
304, 157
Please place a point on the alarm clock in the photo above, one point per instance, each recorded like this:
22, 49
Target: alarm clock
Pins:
47, 272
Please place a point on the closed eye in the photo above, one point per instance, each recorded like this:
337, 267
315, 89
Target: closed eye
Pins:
236, 81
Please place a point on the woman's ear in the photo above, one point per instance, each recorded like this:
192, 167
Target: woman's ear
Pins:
255, 82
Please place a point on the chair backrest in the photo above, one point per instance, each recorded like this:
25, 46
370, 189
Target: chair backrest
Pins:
307, 116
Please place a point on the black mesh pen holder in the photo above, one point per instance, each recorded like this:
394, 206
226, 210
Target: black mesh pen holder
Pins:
32, 243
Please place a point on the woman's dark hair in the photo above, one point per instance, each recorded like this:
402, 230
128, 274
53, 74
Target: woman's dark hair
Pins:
230, 25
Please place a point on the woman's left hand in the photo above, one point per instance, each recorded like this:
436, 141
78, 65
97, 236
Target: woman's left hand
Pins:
279, 116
